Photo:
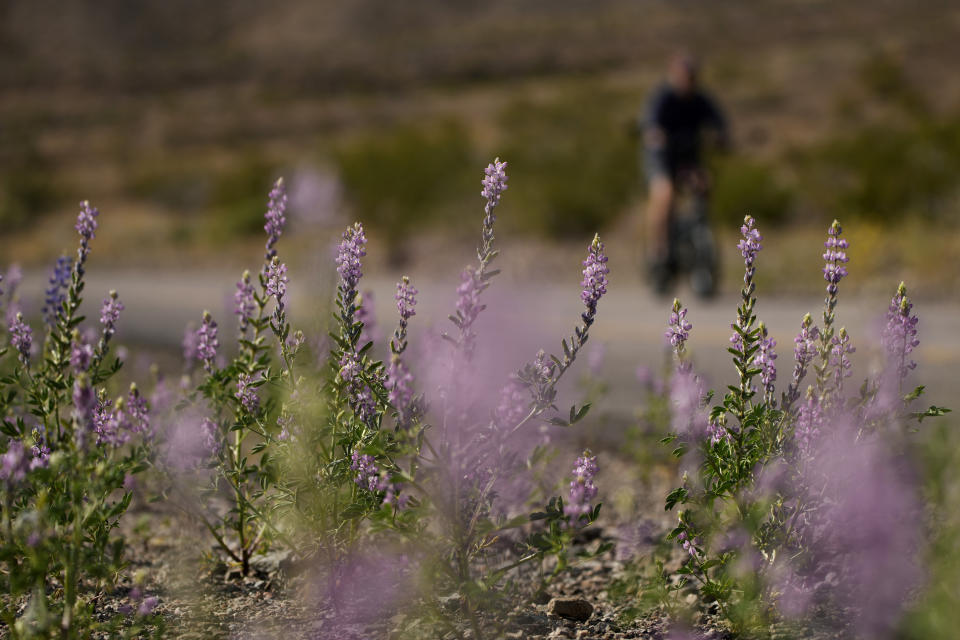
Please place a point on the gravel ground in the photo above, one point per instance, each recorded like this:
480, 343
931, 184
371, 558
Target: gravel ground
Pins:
201, 597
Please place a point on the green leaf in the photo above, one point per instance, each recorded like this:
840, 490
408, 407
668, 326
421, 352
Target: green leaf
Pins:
933, 412
913, 395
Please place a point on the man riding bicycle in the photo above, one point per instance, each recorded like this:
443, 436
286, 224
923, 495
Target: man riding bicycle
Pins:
676, 116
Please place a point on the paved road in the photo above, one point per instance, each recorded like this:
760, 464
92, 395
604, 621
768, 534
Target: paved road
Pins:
523, 317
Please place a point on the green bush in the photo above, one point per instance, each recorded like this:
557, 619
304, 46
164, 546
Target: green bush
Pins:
574, 164
26, 192
743, 185
883, 171
403, 178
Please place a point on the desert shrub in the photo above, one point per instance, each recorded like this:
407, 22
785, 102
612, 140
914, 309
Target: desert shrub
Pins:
71, 452
26, 192
886, 171
407, 177
744, 185
575, 164
802, 497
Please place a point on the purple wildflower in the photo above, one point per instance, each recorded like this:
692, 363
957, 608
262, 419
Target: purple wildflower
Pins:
494, 183
582, 488
749, 245
766, 362
399, 383
899, 337
810, 420
358, 393
349, 254
246, 394
295, 341
40, 453
468, 296
110, 314
110, 423
393, 496
81, 353
275, 216
804, 350
350, 367
277, 280
689, 544
138, 413
84, 403
406, 307
244, 301
285, 422
144, 605
211, 437
14, 463
207, 342
686, 411
717, 430
543, 368
56, 292
368, 473
840, 357
21, 338
86, 226
406, 299
594, 279
835, 257
513, 406
147, 605
736, 339
679, 329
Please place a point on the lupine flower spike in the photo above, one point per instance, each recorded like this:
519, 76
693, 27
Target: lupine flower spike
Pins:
207, 342
804, 351
834, 270
594, 282
766, 362
87, 227
21, 339
840, 358
275, 217
350, 252
57, 291
678, 332
244, 302
582, 489
399, 378
277, 280
899, 337
110, 314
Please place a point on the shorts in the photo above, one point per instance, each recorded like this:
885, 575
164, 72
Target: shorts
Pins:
656, 165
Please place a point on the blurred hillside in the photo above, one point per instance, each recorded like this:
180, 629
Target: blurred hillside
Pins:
179, 114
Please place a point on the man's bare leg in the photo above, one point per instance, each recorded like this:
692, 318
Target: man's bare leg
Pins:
658, 219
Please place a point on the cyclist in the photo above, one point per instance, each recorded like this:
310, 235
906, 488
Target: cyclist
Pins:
672, 125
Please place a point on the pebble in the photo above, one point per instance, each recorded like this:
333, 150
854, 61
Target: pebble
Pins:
570, 608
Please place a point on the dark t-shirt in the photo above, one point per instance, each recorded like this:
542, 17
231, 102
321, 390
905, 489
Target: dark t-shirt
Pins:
682, 119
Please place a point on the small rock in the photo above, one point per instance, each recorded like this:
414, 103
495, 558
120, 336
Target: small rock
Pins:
570, 608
